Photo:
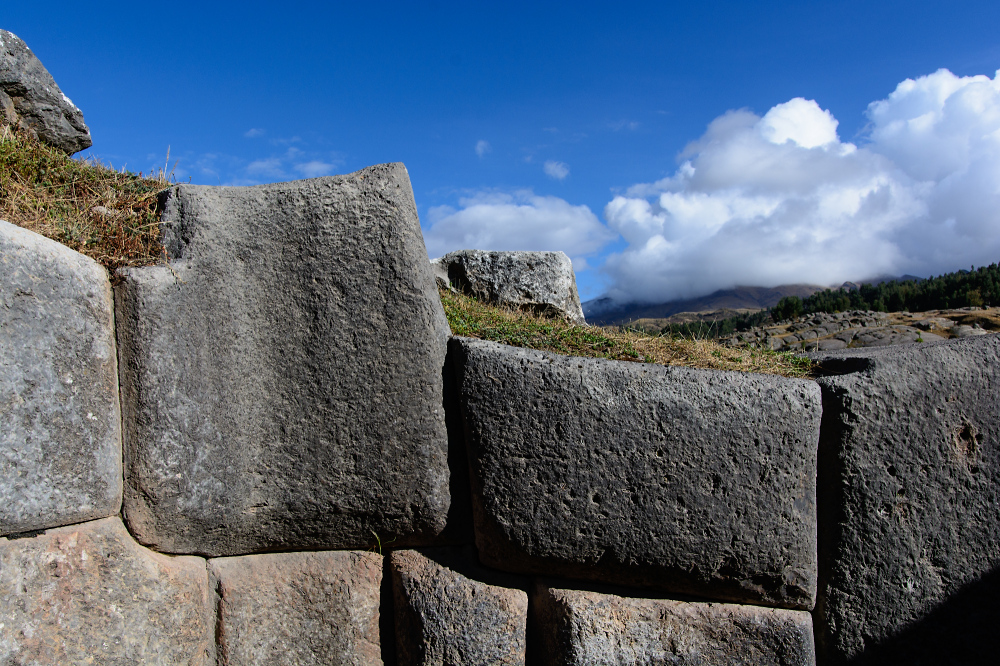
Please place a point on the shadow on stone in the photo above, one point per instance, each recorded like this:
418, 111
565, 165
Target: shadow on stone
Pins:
458, 529
961, 630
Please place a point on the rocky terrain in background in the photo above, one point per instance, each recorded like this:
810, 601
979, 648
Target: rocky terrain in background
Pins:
827, 332
605, 311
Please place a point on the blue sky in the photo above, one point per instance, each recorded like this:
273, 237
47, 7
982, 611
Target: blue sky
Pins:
659, 144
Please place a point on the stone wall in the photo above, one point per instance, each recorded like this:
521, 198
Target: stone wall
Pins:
269, 452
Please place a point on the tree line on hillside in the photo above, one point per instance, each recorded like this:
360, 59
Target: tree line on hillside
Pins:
973, 288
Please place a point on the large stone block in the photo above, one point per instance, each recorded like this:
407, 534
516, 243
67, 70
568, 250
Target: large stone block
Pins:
691, 481
298, 608
89, 594
909, 492
450, 610
541, 282
586, 627
31, 100
281, 378
60, 443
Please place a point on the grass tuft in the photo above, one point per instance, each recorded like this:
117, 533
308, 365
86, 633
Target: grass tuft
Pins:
108, 215
474, 319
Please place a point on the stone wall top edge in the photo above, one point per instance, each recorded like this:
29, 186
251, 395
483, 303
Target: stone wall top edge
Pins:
634, 367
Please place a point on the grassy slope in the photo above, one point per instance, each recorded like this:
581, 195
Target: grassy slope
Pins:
111, 216
105, 214
474, 319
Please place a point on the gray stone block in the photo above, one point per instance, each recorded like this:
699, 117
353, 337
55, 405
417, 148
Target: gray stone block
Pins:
298, 608
281, 378
31, 100
691, 481
542, 282
89, 594
450, 610
909, 490
60, 444
585, 627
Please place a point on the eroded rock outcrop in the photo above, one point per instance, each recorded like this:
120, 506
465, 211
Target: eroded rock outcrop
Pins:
31, 100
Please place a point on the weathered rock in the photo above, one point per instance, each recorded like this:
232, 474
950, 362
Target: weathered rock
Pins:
281, 379
542, 282
31, 100
298, 608
450, 610
60, 444
968, 331
909, 489
89, 594
691, 481
584, 627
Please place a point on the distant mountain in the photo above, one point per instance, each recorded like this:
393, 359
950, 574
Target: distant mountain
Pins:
604, 311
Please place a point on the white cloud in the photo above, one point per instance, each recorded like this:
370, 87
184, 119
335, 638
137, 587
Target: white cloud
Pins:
782, 199
315, 168
515, 221
557, 170
253, 133
482, 147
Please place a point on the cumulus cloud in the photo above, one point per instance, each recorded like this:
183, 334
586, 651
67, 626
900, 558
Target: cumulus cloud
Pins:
782, 198
315, 168
557, 170
515, 221
482, 147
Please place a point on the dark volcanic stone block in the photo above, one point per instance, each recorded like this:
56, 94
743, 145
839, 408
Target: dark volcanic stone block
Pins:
281, 378
586, 627
691, 481
298, 608
60, 438
910, 490
451, 610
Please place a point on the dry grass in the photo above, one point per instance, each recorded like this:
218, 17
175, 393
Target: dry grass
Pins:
108, 215
471, 318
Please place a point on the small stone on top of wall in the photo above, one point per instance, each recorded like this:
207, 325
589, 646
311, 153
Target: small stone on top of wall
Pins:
31, 100
689, 481
542, 282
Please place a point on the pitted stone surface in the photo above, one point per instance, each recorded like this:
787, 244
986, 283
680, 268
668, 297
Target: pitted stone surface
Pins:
691, 481
60, 443
89, 594
542, 282
281, 379
31, 100
585, 627
298, 608
910, 485
450, 610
